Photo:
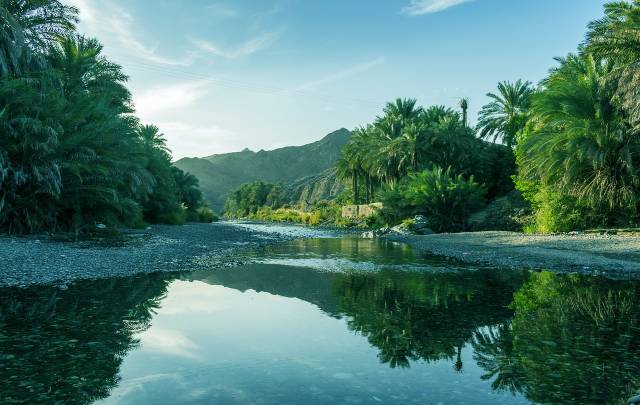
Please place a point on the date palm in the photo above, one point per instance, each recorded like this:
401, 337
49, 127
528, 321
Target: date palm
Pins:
506, 115
579, 141
616, 38
28, 28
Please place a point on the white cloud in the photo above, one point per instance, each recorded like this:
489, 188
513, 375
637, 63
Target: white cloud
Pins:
421, 7
169, 342
160, 99
343, 74
188, 140
248, 47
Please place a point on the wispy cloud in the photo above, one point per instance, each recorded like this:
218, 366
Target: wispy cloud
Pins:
106, 21
421, 7
248, 47
343, 74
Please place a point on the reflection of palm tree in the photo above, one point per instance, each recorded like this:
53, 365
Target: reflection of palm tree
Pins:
457, 366
493, 351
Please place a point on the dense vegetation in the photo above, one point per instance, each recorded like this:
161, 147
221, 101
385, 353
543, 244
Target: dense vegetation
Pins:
425, 161
575, 138
72, 154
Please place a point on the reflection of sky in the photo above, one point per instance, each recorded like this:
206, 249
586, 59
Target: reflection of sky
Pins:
211, 344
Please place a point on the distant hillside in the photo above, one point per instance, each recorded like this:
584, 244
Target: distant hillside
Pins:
307, 190
305, 170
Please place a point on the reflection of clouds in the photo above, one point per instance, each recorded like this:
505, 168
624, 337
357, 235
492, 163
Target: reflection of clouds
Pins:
171, 342
194, 297
135, 385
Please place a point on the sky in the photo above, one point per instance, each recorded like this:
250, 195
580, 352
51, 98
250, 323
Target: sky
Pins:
219, 76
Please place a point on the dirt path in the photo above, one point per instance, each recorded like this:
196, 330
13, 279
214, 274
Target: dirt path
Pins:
616, 256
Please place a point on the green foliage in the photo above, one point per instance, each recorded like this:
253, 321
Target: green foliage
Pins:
579, 151
250, 197
447, 200
71, 153
616, 38
507, 114
409, 138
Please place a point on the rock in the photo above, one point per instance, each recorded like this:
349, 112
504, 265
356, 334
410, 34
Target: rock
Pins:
376, 233
420, 222
401, 229
634, 400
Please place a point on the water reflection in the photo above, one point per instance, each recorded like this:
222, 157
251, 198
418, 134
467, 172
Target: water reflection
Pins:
67, 346
280, 332
424, 316
572, 339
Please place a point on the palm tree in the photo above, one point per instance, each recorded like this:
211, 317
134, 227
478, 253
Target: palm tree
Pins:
464, 106
29, 28
403, 111
494, 353
616, 38
505, 117
580, 143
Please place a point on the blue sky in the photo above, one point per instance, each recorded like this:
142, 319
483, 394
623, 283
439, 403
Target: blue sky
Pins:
221, 75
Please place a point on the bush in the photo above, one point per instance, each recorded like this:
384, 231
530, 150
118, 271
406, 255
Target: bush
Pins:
446, 200
507, 213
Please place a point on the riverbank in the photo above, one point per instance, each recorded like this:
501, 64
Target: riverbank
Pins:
33, 260
614, 255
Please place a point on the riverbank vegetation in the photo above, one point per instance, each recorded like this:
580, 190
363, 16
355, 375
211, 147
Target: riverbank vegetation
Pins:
72, 152
574, 137
558, 156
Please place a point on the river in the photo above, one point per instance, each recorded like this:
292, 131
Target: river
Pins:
320, 321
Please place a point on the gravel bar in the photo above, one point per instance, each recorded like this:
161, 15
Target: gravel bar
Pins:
32, 260
616, 256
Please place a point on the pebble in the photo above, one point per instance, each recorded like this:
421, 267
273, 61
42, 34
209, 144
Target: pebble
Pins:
25, 262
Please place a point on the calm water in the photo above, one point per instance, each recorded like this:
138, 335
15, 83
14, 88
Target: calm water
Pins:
325, 321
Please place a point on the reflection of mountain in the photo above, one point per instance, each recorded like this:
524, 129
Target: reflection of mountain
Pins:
412, 316
292, 282
67, 346
573, 340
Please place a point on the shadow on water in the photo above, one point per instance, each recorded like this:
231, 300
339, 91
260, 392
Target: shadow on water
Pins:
542, 337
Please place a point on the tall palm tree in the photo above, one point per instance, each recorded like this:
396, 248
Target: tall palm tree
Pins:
464, 106
616, 37
506, 115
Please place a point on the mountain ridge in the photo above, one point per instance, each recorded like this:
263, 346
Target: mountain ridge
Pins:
219, 174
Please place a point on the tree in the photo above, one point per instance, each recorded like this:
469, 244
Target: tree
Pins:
505, 117
580, 144
616, 38
28, 28
464, 106
447, 200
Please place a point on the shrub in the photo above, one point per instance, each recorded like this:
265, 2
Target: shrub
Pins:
446, 200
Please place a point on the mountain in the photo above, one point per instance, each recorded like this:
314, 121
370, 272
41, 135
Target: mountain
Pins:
304, 170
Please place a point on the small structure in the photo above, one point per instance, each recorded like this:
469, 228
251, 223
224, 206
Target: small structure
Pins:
360, 211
